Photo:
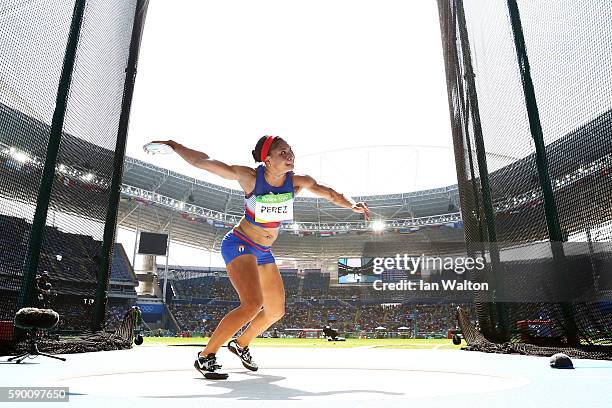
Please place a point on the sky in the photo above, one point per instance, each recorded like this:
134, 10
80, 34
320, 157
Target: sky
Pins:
356, 87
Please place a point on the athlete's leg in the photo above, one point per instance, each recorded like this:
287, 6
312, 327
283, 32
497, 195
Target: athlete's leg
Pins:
273, 303
243, 274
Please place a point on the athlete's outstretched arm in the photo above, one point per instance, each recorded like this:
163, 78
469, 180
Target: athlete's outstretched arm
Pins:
331, 195
203, 161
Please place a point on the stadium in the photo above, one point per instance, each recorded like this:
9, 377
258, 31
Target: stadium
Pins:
310, 250
523, 236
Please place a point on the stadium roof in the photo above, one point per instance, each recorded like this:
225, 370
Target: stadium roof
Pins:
203, 212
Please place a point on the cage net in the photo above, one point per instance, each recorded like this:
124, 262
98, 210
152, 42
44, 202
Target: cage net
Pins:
535, 170
35, 51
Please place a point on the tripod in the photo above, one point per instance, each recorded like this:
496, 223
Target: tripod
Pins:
33, 351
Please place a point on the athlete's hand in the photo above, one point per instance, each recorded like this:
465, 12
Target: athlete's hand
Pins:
361, 208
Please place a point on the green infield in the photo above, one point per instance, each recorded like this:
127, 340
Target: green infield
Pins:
315, 343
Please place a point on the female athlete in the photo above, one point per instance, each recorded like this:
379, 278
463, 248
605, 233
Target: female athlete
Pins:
269, 192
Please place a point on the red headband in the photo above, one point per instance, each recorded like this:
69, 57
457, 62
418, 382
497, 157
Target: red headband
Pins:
266, 147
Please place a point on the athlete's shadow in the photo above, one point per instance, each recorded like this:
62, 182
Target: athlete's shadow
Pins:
261, 387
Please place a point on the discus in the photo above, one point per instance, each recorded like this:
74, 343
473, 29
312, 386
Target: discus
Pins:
157, 148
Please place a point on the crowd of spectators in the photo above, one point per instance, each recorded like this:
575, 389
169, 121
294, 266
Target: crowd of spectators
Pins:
71, 261
198, 318
424, 319
76, 313
115, 313
312, 304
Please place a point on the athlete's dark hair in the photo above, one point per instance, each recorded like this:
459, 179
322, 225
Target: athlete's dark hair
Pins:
257, 151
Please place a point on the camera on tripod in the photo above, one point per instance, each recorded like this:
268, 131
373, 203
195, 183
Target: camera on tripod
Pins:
43, 289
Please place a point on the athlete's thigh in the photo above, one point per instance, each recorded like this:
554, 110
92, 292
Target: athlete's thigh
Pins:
244, 275
271, 285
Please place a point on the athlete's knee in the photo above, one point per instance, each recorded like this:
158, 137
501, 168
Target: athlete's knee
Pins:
252, 306
275, 313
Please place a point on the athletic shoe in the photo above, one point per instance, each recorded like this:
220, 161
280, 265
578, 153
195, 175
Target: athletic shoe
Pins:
243, 353
209, 368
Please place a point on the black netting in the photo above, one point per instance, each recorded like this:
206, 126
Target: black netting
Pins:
33, 38
530, 92
81, 186
87, 51
120, 339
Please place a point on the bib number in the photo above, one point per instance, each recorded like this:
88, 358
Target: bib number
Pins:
274, 208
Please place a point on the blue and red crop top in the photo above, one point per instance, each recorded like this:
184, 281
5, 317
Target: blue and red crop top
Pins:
267, 206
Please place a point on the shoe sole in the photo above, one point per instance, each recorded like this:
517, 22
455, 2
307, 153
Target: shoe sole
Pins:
215, 376
211, 375
234, 351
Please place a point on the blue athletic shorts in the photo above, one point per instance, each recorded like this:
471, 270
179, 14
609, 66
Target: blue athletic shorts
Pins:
236, 243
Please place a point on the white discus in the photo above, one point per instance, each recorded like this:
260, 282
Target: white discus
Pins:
157, 148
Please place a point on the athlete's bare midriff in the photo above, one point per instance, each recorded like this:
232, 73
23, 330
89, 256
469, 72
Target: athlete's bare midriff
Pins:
259, 235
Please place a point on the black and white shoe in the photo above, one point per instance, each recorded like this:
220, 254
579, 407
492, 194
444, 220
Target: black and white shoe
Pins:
209, 368
243, 353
